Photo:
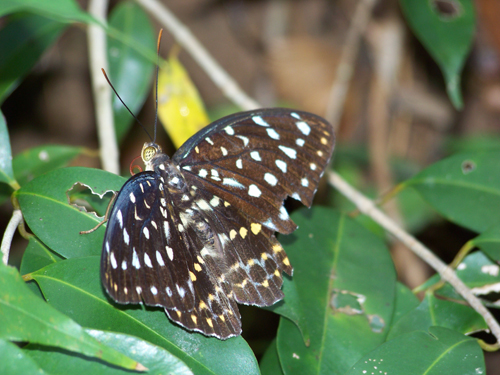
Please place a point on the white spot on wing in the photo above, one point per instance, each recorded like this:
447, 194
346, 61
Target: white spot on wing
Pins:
120, 218
229, 130
290, 152
284, 213
126, 237
203, 173
187, 167
255, 155
273, 133
180, 290
166, 229
281, 165
296, 115
312, 166
169, 291
232, 182
239, 163
300, 142
147, 260
170, 252
146, 232
203, 205
124, 265
254, 191
244, 139
259, 121
209, 141
270, 179
132, 197
304, 182
159, 258
113, 261
303, 127
135, 260
223, 150
138, 289
154, 290
214, 201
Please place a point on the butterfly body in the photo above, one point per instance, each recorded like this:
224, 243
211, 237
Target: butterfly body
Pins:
195, 233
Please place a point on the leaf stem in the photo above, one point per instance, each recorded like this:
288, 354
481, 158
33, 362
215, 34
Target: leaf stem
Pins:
15, 220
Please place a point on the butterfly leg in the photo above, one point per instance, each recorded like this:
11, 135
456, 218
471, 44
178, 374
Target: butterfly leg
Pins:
110, 205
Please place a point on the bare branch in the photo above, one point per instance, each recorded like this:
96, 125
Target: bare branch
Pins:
102, 92
15, 220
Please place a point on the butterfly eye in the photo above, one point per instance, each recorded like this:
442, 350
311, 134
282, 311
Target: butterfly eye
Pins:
148, 153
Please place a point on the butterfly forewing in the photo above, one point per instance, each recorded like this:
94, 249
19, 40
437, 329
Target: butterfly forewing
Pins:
196, 234
254, 160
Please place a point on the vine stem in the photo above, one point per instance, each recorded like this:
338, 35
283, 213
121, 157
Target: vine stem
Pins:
188, 41
233, 92
102, 94
15, 220
369, 208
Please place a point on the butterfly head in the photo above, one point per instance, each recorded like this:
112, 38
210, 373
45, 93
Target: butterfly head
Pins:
150, 151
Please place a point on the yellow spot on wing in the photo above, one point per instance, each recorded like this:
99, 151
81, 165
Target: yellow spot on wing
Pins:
277, 273
197, 267
232, 234
179, 313
200, 259
251, 262
263, 256
265, 284
211, 297
195, 319
277, 248
197, 150
222, 318
226, 204
243, 232
193, 277
209, 321
255, 227
286, 262
203, 305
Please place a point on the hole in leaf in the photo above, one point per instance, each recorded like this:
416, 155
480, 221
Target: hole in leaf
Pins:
377, 324
447, 9
346, 302
468, 166
83, 197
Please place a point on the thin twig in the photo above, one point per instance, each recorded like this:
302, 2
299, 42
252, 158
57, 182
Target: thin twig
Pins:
345, 68
192, 46
101, 90
15, 220
367, 207
186, 39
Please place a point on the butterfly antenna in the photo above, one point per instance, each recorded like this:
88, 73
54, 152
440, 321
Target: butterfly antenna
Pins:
157, 72
128, 109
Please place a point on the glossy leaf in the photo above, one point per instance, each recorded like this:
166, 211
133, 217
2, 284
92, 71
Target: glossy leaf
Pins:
464, 188
157, 360
405, 302
13, 360
25, 317
23, 40
180, 108
130, 72
347, 301
489, 242
61, 10
44, 203
73, 286
478, 272
441, 351
446, 29
6, 172
438, 312
39, 160
36, 256
270, 363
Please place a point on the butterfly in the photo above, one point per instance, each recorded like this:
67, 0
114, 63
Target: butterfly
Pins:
195, 234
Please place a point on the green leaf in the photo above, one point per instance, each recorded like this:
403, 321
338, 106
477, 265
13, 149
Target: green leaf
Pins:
270, 362
447, 36
60, 10
36, 256
130, 71
73, 286
26, 317
23, 40
6, 173
405, 302
437, 312
157, 360
13, 360
489, 242
464, 188
39, 160
348, 302
45, 207
478, 272
441, 351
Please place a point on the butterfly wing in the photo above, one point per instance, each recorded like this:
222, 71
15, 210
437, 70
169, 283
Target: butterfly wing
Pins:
150, 257
255, 159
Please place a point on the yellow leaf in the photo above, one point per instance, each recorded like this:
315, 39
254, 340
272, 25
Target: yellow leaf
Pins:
180, 108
